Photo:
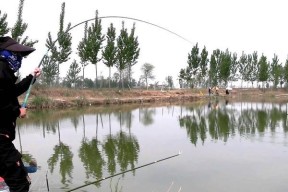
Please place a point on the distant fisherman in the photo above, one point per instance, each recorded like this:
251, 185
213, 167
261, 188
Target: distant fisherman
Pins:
11, 165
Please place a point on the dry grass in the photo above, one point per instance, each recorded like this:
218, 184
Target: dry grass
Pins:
64, 97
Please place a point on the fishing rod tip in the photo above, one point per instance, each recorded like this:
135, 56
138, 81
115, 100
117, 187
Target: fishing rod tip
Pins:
180, 152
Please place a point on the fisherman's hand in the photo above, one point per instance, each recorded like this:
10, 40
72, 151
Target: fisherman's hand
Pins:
23, 112
36, 72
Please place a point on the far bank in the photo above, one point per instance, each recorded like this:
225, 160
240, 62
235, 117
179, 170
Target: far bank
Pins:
65, 98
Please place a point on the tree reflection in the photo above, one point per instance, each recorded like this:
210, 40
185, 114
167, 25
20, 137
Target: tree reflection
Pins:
128, 149
62, 154
91, 157
90, 153
121, 148
146, 115
223, 122
110, 148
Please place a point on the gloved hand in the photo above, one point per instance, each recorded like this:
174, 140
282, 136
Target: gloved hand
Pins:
36, 72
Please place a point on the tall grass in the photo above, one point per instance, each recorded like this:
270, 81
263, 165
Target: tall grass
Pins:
41, 102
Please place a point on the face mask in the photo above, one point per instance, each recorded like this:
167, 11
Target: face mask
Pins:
13, 60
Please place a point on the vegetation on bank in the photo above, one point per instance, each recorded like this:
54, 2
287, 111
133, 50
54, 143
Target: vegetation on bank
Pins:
66, 97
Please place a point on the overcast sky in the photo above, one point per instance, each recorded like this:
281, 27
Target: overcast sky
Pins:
239, 25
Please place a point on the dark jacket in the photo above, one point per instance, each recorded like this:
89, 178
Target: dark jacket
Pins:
9, 104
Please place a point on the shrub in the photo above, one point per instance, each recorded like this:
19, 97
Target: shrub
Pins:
40, 102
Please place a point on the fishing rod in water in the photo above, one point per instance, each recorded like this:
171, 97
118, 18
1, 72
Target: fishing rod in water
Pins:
104, 178
80, 23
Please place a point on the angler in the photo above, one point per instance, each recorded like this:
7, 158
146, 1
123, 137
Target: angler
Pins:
12, 168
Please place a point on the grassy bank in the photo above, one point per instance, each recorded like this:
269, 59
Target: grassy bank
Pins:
64, 97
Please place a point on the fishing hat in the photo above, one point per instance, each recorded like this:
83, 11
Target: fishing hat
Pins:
10, 44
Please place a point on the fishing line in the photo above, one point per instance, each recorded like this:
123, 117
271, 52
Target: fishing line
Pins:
104, 178
82, 22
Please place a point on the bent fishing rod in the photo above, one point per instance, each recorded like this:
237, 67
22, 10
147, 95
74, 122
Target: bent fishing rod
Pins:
82, 22
104, 178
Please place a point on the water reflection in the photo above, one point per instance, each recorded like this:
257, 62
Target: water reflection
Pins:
85, 145
223, 120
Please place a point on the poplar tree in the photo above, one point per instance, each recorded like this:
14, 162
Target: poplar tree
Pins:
214, 67
60, 49
234, 68
255, 68
3, 24
122, 52
263, 74
64, 41
246, 73
133, 51
94, 43
82, 52
242, 64
285, 71
20, 27
182, 78
73, 73
225, 66
49, 64
275, 71
193, 61
110, 51
213, 71
49, 71
203, 65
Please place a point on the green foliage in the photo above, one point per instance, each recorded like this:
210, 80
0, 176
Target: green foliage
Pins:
3, 24
94, 40
254, 68
60, 49
242, 64
285, 72
133, 51
20, 27
94, 43
275, 71
73, 73
203, 65
263, 74
40, 102
194, 60
82, 46
234, 68
214, 67
225, 66
49, 71
88, 83
64, 39
110, 51
82, 51
122, 51
127, 53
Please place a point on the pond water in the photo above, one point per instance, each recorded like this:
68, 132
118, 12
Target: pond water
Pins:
225, 146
